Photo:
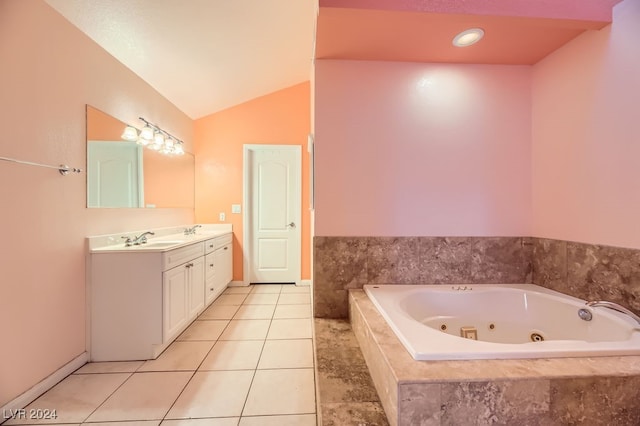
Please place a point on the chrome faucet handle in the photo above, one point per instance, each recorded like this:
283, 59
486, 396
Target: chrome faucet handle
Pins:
142, 238
613, 306
191, 230
128, 241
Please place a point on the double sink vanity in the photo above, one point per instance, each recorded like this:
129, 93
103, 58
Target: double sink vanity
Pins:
142, 295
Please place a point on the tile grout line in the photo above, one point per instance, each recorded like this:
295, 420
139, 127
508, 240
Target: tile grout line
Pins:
164, 417
200, 364
316, 378
136, 370
244, 406
111, 394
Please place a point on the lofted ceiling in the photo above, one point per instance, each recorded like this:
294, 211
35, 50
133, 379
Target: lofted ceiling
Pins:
208, 55
203, 55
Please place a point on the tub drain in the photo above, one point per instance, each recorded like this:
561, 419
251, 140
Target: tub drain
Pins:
535, 337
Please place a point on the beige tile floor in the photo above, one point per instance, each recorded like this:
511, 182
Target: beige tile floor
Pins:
246, 361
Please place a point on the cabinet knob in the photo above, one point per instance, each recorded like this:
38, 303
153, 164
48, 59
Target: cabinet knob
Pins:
226, 248
211, 264
210, 245
211, 289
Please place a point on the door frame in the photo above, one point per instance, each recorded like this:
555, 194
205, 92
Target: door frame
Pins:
247, 237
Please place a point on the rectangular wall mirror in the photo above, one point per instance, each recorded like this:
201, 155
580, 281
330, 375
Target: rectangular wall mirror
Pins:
123, 174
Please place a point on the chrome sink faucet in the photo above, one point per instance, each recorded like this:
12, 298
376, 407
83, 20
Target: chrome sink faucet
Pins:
136, 241
192, 230
615, 307
142, 238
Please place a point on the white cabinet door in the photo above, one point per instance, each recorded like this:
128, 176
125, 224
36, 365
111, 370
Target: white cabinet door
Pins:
174, 302
210, 279
219, 259
226, 264
195, 279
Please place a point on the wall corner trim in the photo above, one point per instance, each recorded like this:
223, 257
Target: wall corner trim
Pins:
47, 383
238, 284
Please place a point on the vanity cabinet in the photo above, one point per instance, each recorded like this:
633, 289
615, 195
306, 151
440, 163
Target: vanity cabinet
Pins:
140, 300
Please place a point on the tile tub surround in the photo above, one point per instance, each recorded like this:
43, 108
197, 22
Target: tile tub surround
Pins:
344, 263
560, 391
588, 271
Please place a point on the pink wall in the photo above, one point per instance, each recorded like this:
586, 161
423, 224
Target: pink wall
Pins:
50, 70
279, 118
586, 136
407, 149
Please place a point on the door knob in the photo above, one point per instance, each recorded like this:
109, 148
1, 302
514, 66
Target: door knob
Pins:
291, 225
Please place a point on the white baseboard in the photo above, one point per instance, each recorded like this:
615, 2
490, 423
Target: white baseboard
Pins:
243, 284
47, 383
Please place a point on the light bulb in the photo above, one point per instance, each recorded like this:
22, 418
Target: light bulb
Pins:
146, 134
158, 139
130, 134
177, 149
468, 37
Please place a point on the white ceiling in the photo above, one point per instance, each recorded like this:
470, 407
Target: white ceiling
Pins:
203, 55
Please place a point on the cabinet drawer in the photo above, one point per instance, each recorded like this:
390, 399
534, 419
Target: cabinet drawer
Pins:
209, 266
217, 242
181, 255
224, 240
209, 245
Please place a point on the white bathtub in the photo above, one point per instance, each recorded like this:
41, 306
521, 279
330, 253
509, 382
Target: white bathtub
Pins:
506, 318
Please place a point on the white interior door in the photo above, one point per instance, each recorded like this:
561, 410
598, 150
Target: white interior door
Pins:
115, 174
272, 213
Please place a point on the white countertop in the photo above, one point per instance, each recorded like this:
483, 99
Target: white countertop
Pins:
165, 239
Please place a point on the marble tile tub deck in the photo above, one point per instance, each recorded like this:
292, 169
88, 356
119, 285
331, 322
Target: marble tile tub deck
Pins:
559, 391
346, 394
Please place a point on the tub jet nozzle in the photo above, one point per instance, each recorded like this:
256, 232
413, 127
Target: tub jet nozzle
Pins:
585, 314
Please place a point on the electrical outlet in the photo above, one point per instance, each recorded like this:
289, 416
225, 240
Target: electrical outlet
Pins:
235, 208
222, 217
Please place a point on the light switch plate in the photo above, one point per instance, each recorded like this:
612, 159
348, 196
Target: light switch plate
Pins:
222, 217
235, 208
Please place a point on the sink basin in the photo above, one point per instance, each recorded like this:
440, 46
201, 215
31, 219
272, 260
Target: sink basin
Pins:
161, 244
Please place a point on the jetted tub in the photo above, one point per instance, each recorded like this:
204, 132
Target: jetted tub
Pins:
508, 321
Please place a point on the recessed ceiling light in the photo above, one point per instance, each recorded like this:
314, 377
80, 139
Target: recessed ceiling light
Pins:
468, 37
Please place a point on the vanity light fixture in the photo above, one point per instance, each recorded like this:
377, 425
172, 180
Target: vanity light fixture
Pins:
146, 135
178, 149
158, 140
153, 137
130, 134
468, 37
